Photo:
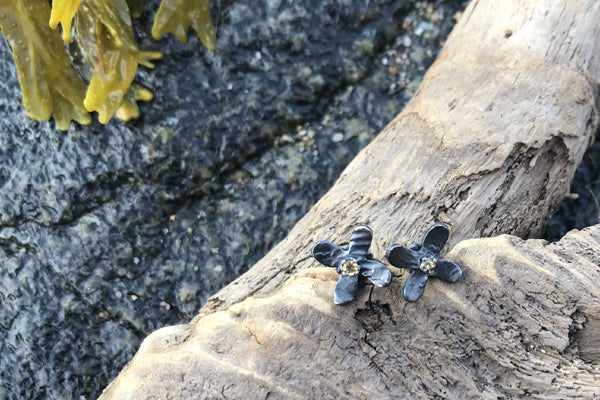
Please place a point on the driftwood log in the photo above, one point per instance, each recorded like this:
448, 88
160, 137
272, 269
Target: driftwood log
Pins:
524, 322
488, 145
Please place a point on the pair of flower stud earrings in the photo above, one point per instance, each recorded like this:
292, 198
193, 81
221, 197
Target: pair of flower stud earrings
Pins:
354, 260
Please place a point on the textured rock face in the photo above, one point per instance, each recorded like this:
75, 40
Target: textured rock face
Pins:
520, 323
582, 208
110, 232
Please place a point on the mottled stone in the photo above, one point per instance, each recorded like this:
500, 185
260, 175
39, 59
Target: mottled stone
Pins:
582, 207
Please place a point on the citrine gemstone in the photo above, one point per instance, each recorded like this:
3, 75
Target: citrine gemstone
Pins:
427, 265
350, 267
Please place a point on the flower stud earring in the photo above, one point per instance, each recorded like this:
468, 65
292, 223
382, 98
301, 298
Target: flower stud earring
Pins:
423, 262
352, 261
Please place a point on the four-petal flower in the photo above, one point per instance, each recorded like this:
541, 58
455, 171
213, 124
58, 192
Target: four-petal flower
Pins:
423, 262
350, 261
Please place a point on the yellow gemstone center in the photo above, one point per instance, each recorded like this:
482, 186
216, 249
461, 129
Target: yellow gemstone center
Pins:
350, 267
427, 264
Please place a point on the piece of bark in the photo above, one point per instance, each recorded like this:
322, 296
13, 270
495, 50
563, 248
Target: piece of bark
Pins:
488, 145
512, 327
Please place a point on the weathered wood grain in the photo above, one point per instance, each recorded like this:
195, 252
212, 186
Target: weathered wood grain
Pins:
511, 328
488, 145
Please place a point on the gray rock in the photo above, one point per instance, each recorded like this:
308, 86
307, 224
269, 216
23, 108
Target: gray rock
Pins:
582, 207
110, 232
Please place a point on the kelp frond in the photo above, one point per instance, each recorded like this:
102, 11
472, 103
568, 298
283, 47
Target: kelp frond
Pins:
129, 109
62, 13
177, 16
136, 7
108, 43
104, 32
48, 81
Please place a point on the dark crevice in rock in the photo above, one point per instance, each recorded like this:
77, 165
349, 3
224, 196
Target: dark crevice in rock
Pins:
582, 207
